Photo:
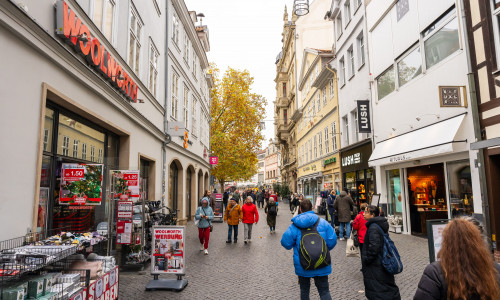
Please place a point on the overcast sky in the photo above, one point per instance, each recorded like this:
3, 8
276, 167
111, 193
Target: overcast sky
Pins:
246, 34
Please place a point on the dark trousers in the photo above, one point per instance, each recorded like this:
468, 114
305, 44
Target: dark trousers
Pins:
321, 283
225, 205
204, 236
230, 232
331, 212
361, 252
260, 204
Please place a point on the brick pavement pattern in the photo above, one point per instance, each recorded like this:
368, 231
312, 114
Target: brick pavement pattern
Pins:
263, 269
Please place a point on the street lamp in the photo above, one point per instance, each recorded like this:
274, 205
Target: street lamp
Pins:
301, 7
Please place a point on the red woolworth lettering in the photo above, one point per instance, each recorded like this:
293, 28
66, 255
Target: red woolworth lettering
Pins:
71, 24
84, 48
104, 61
119, 82
168, 236
112, 67
95, 54
125, 83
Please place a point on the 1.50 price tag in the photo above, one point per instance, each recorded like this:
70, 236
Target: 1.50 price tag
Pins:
73, 174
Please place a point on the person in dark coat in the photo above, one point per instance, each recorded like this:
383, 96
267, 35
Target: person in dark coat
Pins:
379, 284
478, 278
271, 217
329, 203
260, 199
225, 198
343, 205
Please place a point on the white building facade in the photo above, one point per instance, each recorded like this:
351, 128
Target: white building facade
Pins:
422, 121
188, 96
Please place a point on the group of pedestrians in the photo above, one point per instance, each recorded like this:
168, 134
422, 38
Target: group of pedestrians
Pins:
465, 269
234, 214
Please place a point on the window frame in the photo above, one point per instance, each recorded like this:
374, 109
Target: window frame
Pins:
347, 13
351, 67
185, 107
175, 96
382, 74
325, 99
194, 114
65, 146
135, 65
331, 88
153, 67
76, 143
361, 50
175, 29
495, 16
84, 151
342, 71
320, 143
334, 136
405, 55
338, 24
327, 140
101, 26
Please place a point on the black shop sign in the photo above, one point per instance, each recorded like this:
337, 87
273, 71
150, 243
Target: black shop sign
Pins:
356, 158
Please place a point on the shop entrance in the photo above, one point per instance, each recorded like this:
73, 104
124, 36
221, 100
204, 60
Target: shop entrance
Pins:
427, 196
70, 139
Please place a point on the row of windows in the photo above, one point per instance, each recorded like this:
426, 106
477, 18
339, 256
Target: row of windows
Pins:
189, 111
440, 40
349, 60
348, 13
271, 174
314, 107
309, 153
65, 148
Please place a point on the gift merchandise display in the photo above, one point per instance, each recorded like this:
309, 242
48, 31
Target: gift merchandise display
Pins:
81, 240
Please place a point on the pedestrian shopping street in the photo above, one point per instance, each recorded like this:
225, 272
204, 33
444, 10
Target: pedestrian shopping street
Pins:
264, 269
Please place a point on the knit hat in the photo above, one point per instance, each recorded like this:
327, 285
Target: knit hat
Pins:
205, 199
232, 198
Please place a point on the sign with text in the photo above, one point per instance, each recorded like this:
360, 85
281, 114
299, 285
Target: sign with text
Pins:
124, 210
125, 185
451, 96
71, 29
364, 124
168, 250
176, 128
214, 160
105, 287
81, 184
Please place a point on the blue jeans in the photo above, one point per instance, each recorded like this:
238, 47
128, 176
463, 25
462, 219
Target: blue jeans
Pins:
321, 283
230, 232
348, 229
332, 217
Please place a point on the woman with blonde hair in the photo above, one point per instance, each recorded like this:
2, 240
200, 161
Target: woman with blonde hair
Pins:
465, 269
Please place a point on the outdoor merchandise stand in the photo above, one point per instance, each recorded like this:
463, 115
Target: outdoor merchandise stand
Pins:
37, 266
168, 257
219, 208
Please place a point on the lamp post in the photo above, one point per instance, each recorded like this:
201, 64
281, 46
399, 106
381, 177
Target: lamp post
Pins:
301, 7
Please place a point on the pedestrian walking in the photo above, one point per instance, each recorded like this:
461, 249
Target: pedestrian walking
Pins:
331, 210
271, 211
321, 239
465, 269
208, 194
379, 284
225, 198
233, 217
343, 206
254, 197
250, 216
266, 196
260, 199
236, 196
359, 224
204, 214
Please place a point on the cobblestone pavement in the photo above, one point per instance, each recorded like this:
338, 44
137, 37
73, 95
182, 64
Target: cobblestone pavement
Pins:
264, 269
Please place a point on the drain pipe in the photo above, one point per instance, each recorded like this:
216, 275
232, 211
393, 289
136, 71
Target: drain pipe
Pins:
165, 116
477, 129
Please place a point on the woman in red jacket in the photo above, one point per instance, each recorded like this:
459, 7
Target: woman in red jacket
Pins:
359, 224
250, 216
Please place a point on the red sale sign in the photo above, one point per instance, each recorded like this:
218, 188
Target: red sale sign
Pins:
130, 176
106, 287
73, 174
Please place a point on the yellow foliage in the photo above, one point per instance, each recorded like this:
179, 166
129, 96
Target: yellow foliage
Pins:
235, 130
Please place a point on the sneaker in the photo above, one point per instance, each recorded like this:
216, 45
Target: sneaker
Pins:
206, 252
341, 239
228, 242
202, 247
249, 240
235, 241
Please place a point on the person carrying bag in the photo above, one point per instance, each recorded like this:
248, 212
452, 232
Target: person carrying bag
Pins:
203, 219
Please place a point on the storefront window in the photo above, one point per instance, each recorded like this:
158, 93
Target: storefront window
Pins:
72, 132
48, 130
370, 182
350, 181
394, 196
460, 185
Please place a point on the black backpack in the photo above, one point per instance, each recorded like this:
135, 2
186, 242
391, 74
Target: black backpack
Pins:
272, 211
313, 252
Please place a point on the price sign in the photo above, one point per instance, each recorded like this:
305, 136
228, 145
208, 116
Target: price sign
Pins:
73, 174
124, 210
130, 176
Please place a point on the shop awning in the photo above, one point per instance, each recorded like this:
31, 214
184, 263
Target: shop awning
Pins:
435, 139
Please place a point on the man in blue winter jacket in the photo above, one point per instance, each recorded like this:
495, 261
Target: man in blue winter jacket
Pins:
291, 239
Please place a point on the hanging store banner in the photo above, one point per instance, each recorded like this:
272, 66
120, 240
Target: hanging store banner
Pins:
214, 160
364, 124
176, 128
168, 250
81, 184
125, 184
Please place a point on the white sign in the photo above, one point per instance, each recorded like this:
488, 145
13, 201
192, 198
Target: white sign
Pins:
352, 159
168, 250
176, 128
437, 233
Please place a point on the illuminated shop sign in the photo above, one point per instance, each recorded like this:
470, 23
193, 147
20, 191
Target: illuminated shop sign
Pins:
352, 159
70, 28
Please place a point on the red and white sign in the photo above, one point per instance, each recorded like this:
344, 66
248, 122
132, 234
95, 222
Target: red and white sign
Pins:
325, 185
106, 287
125, 209
81, 184
214, 160
73, 174
126, 184
168, 250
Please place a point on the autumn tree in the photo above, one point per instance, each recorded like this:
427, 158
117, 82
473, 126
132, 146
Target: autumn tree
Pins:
236, 134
